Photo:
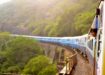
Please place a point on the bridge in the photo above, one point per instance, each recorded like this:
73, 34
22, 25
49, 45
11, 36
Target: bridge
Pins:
92, 44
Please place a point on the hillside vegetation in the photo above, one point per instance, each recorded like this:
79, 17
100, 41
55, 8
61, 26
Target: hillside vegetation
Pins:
19, 55
47, 17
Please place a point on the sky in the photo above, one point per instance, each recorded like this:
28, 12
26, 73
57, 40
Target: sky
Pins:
4, 1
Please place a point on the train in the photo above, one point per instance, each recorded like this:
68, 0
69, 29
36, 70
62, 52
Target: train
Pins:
77, 42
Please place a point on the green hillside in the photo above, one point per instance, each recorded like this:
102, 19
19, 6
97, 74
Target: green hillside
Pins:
47, 17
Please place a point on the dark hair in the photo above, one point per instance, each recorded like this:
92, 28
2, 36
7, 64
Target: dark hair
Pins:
93, 30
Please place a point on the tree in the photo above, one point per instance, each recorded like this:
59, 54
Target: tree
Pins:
18, 52
4, 38
49, 70
35, 65
13, 69
32, 20
83, 21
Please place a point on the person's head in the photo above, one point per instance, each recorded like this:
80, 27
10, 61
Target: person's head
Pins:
93, 32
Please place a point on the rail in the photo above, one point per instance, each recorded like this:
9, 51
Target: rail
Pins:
70, 64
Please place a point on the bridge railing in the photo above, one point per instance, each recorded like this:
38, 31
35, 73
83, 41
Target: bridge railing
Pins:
70, 64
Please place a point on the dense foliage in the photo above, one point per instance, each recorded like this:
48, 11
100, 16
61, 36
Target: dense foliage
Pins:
40, 66
49, 70
48, 17
19, 54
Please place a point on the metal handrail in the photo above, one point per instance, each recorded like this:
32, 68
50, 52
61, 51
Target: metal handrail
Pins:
70, 62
